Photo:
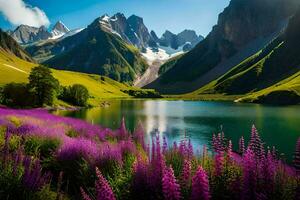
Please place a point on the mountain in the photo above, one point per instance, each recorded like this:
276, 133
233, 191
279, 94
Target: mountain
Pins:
279, 73
25, 34
59, 29
97, 49
187, 39
168, 47
243, 28
132, 29
9, 45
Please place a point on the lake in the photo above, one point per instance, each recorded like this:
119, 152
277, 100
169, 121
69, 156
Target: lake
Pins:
278, 126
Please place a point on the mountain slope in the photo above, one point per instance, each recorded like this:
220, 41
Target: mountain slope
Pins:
243, 28
99, 87
269, 76
94, 50
9, 45
283, 64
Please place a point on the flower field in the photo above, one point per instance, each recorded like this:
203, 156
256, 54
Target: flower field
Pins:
44, 156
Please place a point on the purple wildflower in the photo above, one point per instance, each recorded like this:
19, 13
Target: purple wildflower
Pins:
165, 145
200, 185
256, 144
33, 178
171, 188
219, 163
123, 133
249, 175
182, 148
84, 195
140, 168
186, 174
229, 150
6, 145
242, 145
190, 150
297, 157
218, 142
103, 189
268, 172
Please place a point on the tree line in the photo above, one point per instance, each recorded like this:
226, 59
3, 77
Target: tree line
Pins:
42, 90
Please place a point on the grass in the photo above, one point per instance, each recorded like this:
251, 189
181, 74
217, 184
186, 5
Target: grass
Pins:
13, 69
202, 97
291, 83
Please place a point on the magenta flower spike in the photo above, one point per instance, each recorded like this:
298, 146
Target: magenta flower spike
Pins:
229, 150
186, 173
249, 179
200, 185
256, 144
103, 189
165, 145
190, 149
242, 145
219, 162
171, 189
84, 195
123, 133
297, 157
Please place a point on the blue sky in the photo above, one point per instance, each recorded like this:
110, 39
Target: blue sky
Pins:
159, 15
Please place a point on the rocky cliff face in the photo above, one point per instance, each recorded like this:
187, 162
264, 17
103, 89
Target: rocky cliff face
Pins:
241, 23
132, 29
24, 34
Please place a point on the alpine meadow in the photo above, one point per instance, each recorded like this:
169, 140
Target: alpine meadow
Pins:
153, 100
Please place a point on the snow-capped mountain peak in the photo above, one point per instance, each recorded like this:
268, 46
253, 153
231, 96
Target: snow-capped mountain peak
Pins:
59, 29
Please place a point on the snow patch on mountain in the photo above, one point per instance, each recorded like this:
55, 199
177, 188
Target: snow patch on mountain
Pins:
160, 54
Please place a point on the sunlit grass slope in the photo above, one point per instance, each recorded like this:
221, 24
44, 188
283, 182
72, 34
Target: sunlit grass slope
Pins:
287, 91
13, 69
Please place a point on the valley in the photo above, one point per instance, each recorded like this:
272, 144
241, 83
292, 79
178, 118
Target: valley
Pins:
185, 100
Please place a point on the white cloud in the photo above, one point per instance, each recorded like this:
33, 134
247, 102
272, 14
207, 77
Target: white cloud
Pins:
18, 12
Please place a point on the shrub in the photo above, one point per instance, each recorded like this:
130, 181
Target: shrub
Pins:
77, 95
38, 146
17, 95
143, 93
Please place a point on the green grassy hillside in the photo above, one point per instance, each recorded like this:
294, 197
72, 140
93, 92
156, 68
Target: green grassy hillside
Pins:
248, 76
13, 69
284, 92
269, 76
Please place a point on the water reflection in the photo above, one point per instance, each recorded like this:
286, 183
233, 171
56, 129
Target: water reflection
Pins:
279, 126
